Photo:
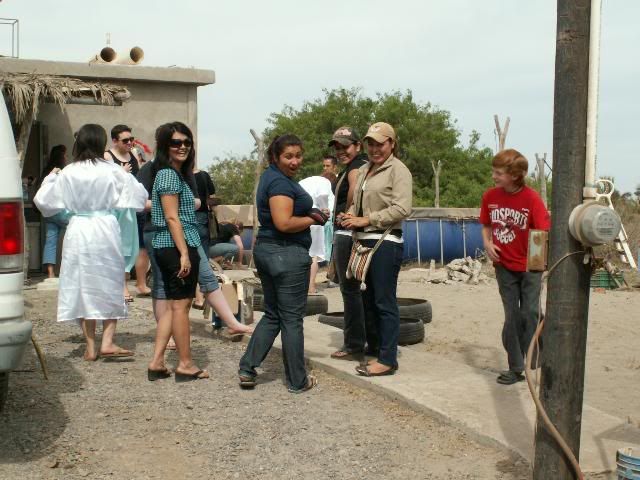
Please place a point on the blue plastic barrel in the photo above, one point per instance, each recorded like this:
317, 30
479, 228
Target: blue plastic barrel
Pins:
628, 464
442, 240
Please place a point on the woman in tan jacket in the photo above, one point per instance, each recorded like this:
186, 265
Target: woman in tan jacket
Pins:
382, 200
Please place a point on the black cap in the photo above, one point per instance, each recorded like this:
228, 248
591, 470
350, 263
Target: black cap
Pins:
344, 136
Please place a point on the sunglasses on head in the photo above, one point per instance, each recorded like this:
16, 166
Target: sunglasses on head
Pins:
175, 143
127, 140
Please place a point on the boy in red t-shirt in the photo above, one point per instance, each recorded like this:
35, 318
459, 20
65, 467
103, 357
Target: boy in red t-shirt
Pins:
508, 212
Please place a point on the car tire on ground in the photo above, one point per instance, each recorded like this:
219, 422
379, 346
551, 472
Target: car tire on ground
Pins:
415, 308
411, 329
4, 388
315, 303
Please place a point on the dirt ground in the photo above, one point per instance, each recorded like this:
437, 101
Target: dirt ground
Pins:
467, 324
105, 420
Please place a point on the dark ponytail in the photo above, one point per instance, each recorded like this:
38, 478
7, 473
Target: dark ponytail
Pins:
280, 143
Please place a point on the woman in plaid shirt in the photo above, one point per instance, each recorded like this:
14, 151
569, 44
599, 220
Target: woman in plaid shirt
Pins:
175, 245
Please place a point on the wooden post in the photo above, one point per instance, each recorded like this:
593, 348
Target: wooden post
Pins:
436, 175
502, 134
259, 166
565, 333
542, 178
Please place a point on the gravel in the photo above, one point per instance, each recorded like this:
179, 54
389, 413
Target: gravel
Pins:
104, 420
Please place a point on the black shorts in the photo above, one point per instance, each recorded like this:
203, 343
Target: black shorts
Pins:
168, 260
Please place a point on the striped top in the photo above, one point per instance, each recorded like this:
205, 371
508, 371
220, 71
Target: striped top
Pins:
170, 182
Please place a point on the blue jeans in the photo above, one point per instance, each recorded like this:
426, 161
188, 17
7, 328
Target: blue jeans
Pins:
53, 227
202, 223
520, 293
225, 250
283, 268
206, 278
354, 325
382, 318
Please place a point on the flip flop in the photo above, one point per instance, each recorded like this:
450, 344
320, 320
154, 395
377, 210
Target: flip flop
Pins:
363, 370
128, 298
118, 354
342, 355
144, 294
153, 375
188, 377
312, 381
197, 307
247, 382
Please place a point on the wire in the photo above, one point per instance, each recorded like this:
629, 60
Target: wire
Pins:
528, 373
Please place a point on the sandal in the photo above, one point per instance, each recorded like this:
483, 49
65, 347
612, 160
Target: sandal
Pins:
118, 354
312, 381
247, 382
197, 307
188, 377
344, 355
363, 370
128, 298
153, 375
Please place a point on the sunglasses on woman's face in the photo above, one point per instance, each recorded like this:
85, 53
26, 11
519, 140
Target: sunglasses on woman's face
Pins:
127, 140
175, 143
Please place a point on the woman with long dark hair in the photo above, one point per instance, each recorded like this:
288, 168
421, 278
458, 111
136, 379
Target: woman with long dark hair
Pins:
91, 189
281, 254
175, 249
58, 222
348, 149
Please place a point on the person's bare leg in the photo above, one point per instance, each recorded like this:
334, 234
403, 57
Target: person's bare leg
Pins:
108, 332
159, 308
199, 300
219, 303
312, 275
182, 336
89, 331
50, 271
164, 319
142, 267
127, 293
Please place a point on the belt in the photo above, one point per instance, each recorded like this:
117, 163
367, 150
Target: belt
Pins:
396, 232
94, 213
279, 241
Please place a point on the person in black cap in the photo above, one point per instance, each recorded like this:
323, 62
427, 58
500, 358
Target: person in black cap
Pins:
348, 149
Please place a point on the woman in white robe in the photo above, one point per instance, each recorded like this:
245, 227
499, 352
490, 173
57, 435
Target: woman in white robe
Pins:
92, 189
319, 188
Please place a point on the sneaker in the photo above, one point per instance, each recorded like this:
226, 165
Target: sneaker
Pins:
510, 377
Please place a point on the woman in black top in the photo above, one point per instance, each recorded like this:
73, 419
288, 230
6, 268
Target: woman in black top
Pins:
281, 254
348, 148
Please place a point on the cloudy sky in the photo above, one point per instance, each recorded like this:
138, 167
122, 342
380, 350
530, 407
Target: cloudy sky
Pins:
474, 58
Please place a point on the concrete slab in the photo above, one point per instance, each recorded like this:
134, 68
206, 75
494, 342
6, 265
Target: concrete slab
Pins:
470, 399
466, 397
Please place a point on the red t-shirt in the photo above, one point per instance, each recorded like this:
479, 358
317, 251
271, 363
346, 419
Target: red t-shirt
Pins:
510, 216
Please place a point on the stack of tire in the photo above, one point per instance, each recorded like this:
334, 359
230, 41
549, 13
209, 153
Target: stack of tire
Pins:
414, 313
316, 304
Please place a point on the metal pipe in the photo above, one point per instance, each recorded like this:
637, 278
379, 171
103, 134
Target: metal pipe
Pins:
418, 239
589, 191
441, 245
464, 240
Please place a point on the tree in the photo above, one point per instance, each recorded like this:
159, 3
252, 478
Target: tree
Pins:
233, 178
425, 134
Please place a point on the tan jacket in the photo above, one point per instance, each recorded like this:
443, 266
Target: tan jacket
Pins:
387, 195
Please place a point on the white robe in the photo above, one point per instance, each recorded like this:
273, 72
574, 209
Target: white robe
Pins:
319, 188
92, 268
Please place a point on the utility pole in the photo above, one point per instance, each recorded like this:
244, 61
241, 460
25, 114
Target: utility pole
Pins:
565, 332
542, 178
502, 133
436, 175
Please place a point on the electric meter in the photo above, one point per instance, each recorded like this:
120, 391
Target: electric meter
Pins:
593, 224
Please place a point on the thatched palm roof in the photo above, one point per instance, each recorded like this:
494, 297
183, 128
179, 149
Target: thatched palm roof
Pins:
25, 91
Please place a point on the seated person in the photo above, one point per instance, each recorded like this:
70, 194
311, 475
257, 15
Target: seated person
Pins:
228, 245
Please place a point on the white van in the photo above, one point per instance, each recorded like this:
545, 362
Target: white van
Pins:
15, 330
